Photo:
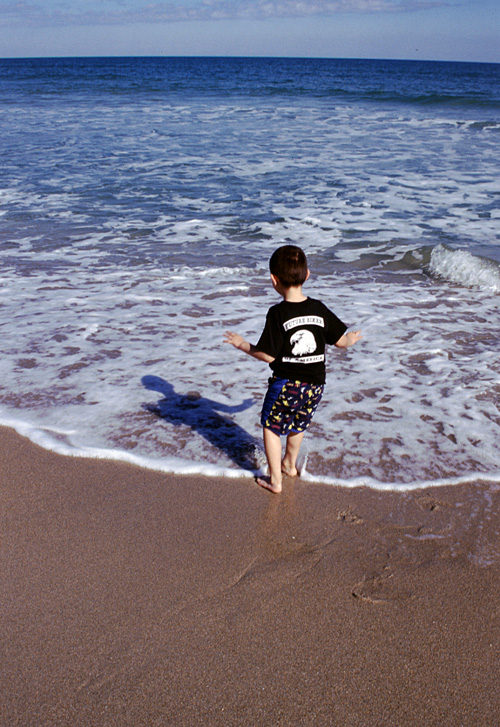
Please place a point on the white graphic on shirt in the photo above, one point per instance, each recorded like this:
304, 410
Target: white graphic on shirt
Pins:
304, 321
303, 342
304, 359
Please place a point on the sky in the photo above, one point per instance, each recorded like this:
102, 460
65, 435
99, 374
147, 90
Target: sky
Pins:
455, 30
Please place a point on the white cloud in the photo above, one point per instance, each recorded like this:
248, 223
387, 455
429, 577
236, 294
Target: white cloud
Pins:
120, 12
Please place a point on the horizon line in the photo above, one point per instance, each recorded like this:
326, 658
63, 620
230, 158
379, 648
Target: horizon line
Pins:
242, 57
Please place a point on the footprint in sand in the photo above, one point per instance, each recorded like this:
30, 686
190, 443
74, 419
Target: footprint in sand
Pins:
382, 588
428, 502
347, 516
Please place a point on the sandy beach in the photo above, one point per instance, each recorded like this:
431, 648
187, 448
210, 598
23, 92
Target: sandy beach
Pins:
131, 597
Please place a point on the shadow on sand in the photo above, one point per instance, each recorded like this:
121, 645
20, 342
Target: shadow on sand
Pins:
202, 416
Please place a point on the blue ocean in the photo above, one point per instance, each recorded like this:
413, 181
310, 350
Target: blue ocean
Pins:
140, 200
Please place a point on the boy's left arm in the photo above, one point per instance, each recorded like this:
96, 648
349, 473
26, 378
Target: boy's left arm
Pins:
239, 342
349, 339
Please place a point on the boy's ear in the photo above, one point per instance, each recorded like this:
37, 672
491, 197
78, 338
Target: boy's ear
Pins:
308, 274
275, 280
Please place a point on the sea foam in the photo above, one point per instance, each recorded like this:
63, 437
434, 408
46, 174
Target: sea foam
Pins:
463, 268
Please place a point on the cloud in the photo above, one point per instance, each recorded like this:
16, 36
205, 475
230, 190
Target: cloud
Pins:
120, 12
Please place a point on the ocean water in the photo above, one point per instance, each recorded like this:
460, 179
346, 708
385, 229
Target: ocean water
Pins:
140, 200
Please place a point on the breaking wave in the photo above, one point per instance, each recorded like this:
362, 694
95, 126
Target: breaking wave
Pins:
463, 268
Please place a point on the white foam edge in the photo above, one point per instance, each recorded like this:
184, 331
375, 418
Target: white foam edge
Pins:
400, 486
175, 466
171, 465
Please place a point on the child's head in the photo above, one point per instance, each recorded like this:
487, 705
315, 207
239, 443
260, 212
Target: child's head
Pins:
289, 265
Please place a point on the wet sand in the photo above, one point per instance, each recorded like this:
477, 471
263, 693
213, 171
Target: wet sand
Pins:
134, 598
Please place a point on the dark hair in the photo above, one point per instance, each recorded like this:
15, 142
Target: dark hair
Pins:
289, 265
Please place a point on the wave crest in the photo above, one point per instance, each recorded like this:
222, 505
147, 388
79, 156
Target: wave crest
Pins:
463, 268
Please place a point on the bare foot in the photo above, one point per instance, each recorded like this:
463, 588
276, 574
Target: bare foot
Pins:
266, 482
289, 472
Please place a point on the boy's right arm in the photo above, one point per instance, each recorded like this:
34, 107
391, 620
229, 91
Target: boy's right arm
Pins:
239, 342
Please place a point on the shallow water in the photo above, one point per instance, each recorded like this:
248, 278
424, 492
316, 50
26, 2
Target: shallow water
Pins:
140, 202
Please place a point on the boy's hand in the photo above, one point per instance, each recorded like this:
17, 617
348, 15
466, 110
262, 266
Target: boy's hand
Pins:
234, 339
239, 342
353, 337
349, 339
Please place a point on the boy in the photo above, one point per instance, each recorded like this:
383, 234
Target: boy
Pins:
293, 344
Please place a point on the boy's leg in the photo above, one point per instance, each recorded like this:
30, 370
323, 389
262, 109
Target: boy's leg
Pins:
309, 396
289, 464
272, 445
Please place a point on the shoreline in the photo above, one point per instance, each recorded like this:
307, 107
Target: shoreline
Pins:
135, 597
185, 469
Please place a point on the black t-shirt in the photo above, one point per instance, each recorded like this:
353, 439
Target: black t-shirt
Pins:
295, 334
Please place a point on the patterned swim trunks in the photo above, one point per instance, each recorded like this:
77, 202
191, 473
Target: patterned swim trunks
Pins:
289, 405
